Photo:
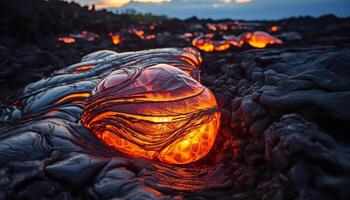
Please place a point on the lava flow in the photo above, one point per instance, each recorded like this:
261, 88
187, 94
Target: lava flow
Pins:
257, 39
66, 40
83, 36
115, 38
158, 112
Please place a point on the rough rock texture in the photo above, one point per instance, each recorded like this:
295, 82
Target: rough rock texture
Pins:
272, 143
285, 111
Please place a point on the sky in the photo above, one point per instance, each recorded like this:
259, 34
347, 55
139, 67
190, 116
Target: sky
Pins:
234, 9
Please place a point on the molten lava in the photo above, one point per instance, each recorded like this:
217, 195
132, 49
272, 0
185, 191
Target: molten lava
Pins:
115, 38
157, 112
139, 33
83, 36
261, 39
83, 68
207, 44
257, 39
67, 40
275, 28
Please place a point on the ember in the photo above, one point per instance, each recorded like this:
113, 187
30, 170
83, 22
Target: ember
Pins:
84, 68
67, 40
158, 112
115, 38
275, 28
139, 33
83, 36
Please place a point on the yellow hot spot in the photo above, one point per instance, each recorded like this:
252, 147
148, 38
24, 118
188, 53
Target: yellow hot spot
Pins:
162, 114
73, 97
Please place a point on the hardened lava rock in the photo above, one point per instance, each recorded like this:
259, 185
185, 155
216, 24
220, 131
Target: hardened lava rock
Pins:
44, 144
284, 117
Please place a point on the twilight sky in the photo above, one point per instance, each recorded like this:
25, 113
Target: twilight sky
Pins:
237, 9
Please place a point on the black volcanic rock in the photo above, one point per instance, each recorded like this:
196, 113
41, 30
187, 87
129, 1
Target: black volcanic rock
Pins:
311, 159
285, 111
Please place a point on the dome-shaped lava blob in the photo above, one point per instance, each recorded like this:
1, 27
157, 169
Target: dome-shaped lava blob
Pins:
158, 112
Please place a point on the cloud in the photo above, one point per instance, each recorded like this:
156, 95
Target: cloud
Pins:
121, 3
114, 3
237, 9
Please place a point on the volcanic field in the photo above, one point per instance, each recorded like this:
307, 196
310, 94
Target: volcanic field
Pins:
282, 90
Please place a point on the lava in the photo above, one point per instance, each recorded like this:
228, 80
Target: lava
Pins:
218, 27
259, 39
275, 28
84, 36
83, 68
74, 97
158, 113
115, 38
207, 44
66, 40
139, 33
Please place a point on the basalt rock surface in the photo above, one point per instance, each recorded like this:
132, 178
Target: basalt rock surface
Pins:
285, 110
272, 143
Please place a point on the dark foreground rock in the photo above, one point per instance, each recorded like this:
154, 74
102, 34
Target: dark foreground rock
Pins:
272, 143
285, 110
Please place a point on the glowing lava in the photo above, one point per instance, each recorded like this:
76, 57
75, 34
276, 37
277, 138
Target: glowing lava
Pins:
275, 28
115, 38
66, 40
257, 39
83, 68
207, 44
158, 113
261, 39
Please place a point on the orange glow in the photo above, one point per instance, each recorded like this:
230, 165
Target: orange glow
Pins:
84, 35
233, 40
222, 27
84, 68
139, 33
222, 46
261, 39
256, 39
205, 43
219, 26
74, 97
158, 113
275, 28
119, 3
150, 37
67, 40
212, 27
115, 38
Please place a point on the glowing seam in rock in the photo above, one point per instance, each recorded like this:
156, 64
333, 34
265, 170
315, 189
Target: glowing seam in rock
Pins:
73, 96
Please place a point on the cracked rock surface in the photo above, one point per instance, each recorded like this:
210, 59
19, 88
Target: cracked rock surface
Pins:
279, 137
285, 111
